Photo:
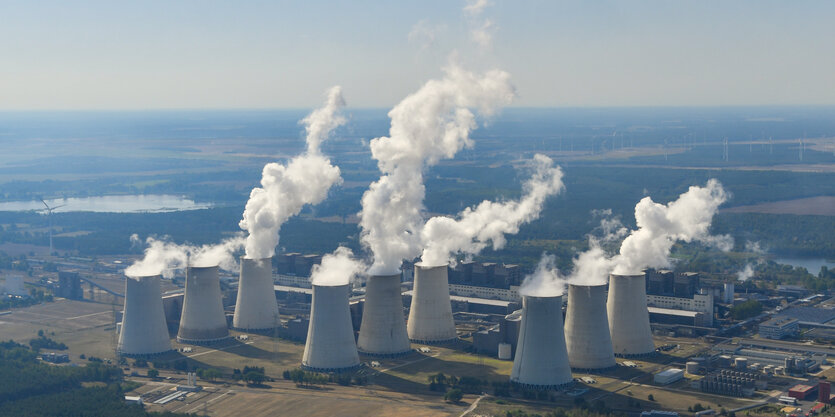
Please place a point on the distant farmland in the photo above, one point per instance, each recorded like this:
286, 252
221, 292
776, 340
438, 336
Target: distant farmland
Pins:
815, 206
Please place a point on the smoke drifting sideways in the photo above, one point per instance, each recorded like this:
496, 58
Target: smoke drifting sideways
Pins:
337, 268
546, 280
490, 221
286, 189
686, 219
163, 257
431, 124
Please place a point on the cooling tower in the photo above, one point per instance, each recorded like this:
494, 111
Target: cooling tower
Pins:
330, 345
587, 337
203, 320
144, 331
628, 316
430, 316
541, 359
383, 328
256, 307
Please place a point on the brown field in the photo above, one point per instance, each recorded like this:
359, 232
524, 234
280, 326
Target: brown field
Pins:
817, 206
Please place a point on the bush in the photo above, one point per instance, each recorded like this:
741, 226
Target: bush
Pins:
454, 395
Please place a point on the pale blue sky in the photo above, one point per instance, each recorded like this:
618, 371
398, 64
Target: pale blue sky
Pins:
222, 54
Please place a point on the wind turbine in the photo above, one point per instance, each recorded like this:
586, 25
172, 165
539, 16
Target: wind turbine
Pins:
49, 216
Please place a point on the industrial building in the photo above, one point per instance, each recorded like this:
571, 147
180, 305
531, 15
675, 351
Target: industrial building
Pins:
430, 315
731, 383
671, 284
203, 320
256, 307
668, 376
485, 274
144, 331
541, 359
779, 328
69, 285
330, 345
628, 316
383, 328
587, 337
14, 286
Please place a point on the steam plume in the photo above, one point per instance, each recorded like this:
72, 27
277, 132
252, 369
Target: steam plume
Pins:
428, 125
745, 274
659, 226
163, 257
481, 28
337, 268
545, 281
490, 221
286, 189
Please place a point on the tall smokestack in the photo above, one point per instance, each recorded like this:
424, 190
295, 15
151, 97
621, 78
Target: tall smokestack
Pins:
256, 307
628, 316
330, 345
203, 320
587, 337
541, 359
383, 328
144, 331
430, 316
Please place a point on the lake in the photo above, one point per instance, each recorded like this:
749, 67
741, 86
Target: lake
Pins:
813, 265
111, 204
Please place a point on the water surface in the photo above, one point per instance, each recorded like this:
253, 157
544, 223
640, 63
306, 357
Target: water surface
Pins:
111, 204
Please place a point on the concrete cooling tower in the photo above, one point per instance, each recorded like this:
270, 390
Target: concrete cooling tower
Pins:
628, 316
587, 337
256, 307
330, 345
144, 331
430, 316
541, 359
203, 320
383, 328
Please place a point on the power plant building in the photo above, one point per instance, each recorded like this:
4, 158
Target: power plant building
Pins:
203, 320
541, 359
430, 315
256, 307
330, 345
144, 331
587, 336
383, 328
629, 316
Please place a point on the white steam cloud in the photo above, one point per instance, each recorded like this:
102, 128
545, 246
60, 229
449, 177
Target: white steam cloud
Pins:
545, 281
746, 273
286, 189
481, 28
337, 268
431, 124
490, 221
163, 257
659, 226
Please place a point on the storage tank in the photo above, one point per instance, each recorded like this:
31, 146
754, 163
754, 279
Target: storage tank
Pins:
430, 315
330, 345
541, 359
203, 320
256, 307
587, 337
505, 350
143, 331
629, 316
692, 367
383, 327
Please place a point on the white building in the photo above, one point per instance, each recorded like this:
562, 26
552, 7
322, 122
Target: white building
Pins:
668, 376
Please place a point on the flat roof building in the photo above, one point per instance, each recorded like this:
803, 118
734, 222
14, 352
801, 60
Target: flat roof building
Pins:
778, 328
